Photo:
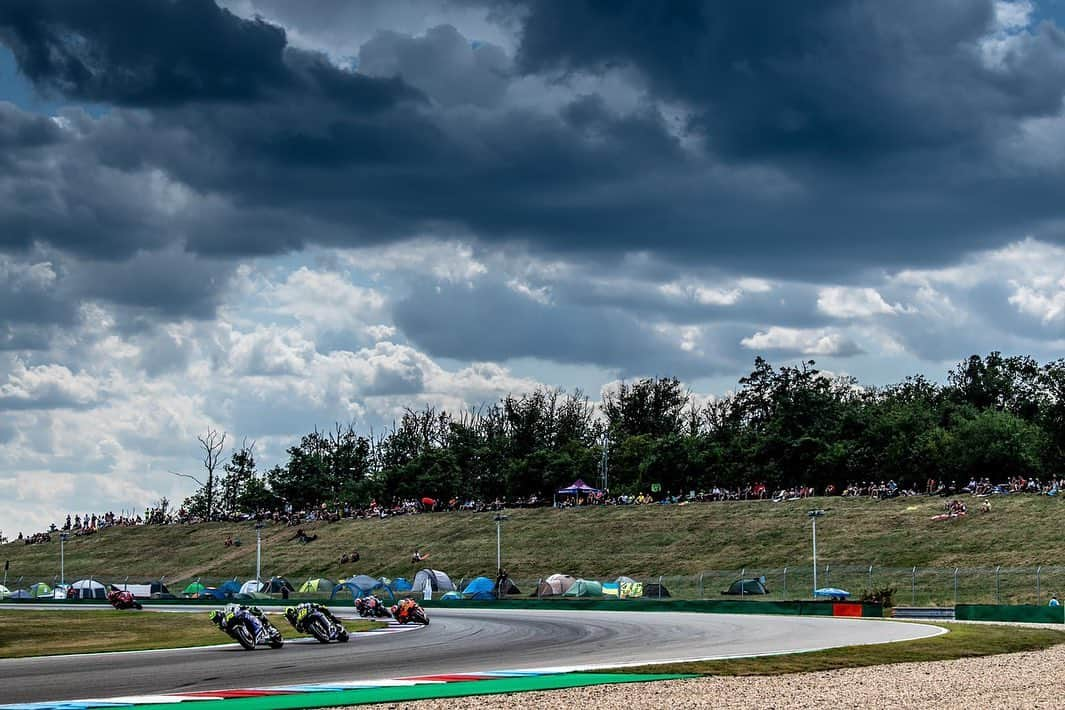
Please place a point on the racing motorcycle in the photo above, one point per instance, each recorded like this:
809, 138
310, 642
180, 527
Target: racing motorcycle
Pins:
409, 611
370, 607
316, 620
249, 627
122, 599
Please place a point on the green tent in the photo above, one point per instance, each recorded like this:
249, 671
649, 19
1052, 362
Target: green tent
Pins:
40, 590
585, 588
194, 588
317, 585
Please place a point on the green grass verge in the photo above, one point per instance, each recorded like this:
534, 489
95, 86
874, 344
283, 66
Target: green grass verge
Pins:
963, 641
638, 541
50, 633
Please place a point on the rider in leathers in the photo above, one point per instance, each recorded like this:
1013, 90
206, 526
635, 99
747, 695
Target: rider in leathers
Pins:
402, 609
299, 614
369, 606
233, 613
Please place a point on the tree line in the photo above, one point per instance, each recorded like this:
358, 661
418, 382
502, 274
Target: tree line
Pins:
995, 416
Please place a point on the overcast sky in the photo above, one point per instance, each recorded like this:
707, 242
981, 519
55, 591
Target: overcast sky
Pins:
262, 215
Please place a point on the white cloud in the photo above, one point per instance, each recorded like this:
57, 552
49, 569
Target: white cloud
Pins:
446, 260
818, 341
540, 294
704, 295
843, 302
1047, 303
47, 387
327, 300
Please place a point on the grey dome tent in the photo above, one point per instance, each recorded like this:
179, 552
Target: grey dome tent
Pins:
438, 581
743, 587
654, 590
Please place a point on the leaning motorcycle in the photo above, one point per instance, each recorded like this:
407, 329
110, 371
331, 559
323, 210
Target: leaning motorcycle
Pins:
371, 608
242, 629
319, 625
122, 599
410, 612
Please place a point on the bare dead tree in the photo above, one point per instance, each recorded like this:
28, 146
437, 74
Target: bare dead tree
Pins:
212, 443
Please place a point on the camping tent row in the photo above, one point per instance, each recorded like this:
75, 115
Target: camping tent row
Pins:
564, 585
361, 585
83, 589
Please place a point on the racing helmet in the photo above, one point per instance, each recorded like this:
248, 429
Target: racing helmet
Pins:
216, 616
290, 614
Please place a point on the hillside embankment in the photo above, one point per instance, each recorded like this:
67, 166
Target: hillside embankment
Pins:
761, 537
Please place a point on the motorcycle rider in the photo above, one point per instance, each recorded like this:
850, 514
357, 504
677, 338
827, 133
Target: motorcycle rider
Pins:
299, 614
232, 613
402, 609
370, 606
122, 599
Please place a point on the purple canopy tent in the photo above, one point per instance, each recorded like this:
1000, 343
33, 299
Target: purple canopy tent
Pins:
576, 488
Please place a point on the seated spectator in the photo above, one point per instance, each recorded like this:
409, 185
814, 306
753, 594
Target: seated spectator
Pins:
1054, 600
302, 537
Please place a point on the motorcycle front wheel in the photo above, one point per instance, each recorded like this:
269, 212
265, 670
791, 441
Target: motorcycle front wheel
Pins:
319, 629
244, 637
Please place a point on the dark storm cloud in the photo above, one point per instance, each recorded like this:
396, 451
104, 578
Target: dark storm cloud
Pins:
169, 52
821, 139
22, 131
169, 282
443, 64
493, 322
143, 53
832, 78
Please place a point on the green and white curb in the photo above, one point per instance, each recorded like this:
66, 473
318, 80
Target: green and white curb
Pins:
321, 695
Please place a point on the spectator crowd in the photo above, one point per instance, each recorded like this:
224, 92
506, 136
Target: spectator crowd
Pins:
89, 523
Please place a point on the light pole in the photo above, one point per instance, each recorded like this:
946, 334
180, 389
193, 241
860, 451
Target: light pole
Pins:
814, 515
259, 552
62, 557
499, 536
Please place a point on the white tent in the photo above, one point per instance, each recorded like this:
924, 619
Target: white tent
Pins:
438, 581
90, 589
251, 586
4, 591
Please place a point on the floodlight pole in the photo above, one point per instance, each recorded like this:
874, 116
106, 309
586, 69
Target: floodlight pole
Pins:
259, 552
499, 537
814, 515
62, 557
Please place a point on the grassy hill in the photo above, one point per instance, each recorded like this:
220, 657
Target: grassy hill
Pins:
680, 542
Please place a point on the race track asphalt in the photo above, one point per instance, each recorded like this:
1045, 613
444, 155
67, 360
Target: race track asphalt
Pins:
456, 641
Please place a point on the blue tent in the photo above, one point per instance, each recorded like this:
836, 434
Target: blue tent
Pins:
832, 593
400, 584
450, 596
213, 593
362, 586
229, 588
480, 588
